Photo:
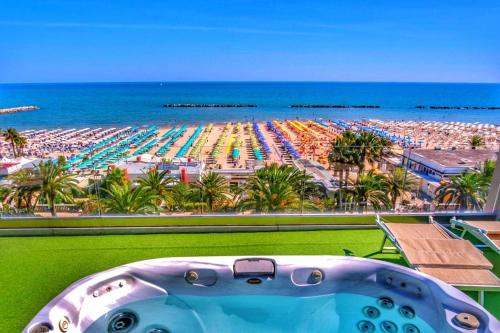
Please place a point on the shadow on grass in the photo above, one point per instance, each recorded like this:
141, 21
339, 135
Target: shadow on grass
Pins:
348, 252
397, 261
387, 256
372, 254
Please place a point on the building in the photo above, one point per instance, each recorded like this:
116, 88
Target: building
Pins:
432, 166
185, 169
236, 176
441, 164
10, 166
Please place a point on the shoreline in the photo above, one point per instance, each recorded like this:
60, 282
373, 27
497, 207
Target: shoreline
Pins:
170, 116
240, 144
170, 123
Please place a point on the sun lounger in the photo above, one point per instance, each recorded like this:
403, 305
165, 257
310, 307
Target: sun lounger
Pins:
434, 250
488, 232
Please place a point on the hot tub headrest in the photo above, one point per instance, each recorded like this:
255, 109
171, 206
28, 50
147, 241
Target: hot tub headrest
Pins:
254, 267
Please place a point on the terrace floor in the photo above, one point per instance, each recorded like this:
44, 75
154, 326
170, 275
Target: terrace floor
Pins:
36, 269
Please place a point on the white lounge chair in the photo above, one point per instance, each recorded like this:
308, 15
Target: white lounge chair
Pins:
434, 250
488, 232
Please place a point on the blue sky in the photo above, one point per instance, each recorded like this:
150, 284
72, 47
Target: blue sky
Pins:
161, 40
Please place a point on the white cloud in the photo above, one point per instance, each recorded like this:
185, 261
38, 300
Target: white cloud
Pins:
241, 30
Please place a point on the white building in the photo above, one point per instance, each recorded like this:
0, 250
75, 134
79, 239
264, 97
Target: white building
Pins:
441, 164
185, 169
10, 166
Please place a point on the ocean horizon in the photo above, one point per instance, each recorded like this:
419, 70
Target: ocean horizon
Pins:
114, 104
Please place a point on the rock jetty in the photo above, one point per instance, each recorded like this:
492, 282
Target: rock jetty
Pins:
333, 106
209, 106
442, 107
19, 109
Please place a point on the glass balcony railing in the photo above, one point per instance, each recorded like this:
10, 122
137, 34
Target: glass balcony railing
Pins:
149, 185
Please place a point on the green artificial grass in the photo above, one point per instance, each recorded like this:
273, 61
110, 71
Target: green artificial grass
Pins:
36, 269
199, 220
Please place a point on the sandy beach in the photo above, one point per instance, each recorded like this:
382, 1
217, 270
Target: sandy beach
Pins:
238, 144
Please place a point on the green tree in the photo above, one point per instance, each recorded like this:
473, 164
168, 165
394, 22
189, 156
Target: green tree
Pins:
20, 144
61, 160
343, 155
55, 183
123, 199
356, 149
370, 148
370, 189
236, 193
398, 182
476, 141
22, 190
213, 190
488, 169
464, 192
278, 188
11, 135
157, 182
114, 176
181, 197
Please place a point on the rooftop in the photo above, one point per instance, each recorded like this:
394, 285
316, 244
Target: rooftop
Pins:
454, 158
55, 262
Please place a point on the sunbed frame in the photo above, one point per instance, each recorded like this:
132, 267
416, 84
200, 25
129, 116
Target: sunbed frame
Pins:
397, 247
480, 233
479, 288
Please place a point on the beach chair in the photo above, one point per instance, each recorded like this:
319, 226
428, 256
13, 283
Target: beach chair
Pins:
432, 249
488, 232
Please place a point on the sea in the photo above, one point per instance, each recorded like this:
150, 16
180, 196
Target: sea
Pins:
80, 105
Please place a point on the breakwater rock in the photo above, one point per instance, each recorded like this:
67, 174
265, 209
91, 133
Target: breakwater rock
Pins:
19, 109
444, 107
209, 105
334, 106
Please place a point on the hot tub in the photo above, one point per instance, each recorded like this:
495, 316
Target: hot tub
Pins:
264, 294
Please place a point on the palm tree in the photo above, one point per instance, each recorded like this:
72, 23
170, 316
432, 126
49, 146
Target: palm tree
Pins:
465, 192
213, 189
399, 181
370, 189
476, 141
5, 193
356, 149
180, 197
114, 176
370, 148
23, 189
47, 182
20, 144
61, 160
236, 193
156, 182
55, 183
278, 188
488, 169
13, 136
124, 199
343, 155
